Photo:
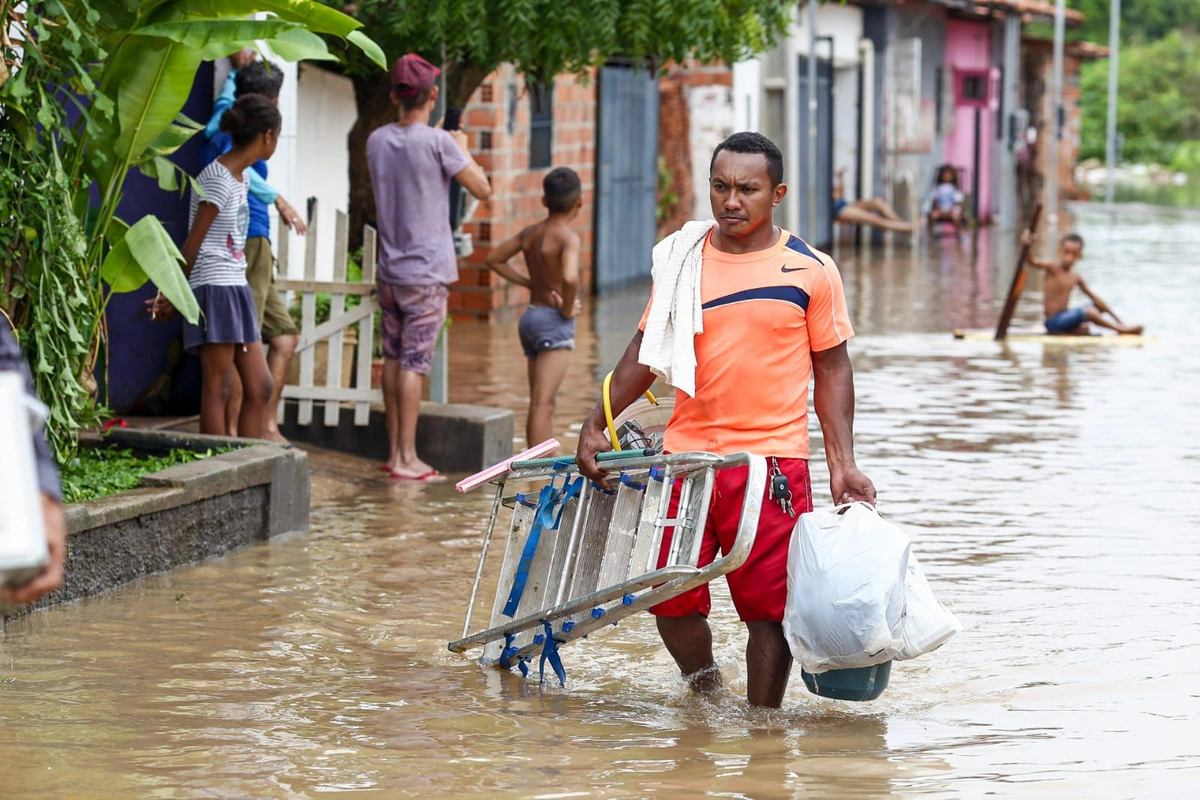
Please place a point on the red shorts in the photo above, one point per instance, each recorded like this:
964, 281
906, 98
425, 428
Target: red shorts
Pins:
759, 586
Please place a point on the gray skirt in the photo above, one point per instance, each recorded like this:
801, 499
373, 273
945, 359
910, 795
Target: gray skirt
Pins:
226, 317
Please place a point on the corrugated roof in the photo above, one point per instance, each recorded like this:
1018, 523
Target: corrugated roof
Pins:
1030, 10
1086, 50
1042, 9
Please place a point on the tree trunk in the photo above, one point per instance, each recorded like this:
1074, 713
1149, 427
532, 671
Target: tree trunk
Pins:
372, 96
462, 79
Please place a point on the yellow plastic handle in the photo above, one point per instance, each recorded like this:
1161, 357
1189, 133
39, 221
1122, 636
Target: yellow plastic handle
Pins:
608, 415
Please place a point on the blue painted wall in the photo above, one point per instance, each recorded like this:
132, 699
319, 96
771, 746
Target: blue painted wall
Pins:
137, 345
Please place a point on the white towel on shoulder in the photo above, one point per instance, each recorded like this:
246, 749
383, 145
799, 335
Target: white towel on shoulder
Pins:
669, 340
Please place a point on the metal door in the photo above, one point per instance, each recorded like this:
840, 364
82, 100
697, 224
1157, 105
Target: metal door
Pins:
626, 176
822, 234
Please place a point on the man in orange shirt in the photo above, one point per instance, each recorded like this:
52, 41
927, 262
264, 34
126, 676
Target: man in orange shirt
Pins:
774, 317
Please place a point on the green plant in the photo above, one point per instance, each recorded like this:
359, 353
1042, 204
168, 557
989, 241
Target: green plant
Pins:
100, 471
1187, 158
1156, 110
666, 198
125, 69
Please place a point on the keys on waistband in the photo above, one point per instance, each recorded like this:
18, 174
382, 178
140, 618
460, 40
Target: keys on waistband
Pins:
779, 490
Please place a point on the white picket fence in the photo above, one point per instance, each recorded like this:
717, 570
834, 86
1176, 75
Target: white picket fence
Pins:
333, 393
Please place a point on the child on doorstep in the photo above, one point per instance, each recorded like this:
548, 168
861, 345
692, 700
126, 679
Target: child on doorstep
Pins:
227, 336
946, 204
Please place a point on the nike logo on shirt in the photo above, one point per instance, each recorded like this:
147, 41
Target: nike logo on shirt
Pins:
791, 269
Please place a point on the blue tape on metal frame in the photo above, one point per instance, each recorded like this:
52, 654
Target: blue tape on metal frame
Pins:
550, 653
632, 484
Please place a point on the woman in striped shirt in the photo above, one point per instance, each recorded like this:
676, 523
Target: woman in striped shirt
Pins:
227, 336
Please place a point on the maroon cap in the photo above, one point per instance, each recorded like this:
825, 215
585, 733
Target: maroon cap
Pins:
412, 75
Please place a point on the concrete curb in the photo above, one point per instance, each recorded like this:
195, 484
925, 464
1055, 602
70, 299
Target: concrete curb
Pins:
183, 514
452, 437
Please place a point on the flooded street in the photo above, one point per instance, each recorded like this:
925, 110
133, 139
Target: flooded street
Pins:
1047, 489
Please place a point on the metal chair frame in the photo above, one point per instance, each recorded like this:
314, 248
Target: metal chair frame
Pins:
598, 566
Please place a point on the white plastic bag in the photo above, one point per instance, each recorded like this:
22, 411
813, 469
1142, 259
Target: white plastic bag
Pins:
23, 550
927, 623
846, 589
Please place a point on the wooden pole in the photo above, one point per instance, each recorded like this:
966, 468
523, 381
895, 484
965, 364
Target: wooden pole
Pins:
1018, 282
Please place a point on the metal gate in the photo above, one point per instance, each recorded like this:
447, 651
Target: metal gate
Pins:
626, 176
822, 233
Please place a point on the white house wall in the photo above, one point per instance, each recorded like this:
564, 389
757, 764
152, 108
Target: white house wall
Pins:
324, 114
282, 169
747, 94
711, 115
928, 25
845, 127
282, 166
842, 22
845, 24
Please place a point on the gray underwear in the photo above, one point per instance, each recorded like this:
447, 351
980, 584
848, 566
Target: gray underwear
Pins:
542, 328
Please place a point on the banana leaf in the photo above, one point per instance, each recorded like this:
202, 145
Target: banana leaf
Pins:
200, 33
147, 253
153, 77
174, 137
300, 44
314, 16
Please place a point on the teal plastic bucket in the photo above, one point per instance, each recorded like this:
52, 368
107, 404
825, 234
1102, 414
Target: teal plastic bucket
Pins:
864, 683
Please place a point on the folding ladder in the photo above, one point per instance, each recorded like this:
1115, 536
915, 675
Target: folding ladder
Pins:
580, 558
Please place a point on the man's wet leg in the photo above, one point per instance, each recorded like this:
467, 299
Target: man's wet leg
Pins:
768, 664
689, 641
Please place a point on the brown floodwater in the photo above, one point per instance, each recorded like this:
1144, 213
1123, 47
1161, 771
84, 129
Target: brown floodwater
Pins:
1048, 490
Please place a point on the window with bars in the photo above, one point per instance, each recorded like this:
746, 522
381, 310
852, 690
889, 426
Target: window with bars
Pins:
541, 125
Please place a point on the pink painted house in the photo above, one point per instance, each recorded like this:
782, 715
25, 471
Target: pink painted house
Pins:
969, 144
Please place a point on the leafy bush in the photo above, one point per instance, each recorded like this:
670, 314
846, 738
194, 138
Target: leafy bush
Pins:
1157, 112
100, 471
124, 70
1187, 158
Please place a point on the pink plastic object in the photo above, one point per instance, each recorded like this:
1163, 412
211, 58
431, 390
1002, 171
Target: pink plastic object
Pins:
496, 470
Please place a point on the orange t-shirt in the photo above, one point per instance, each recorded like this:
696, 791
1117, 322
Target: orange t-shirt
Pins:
765, 313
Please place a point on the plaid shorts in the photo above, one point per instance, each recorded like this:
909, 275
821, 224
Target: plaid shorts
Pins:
412, 319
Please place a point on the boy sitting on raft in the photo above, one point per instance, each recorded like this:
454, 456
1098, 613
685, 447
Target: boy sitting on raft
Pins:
1060, 280
547, 328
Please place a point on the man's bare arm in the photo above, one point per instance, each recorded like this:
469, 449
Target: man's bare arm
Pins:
833, 395
630, 381
497, 261
471, 177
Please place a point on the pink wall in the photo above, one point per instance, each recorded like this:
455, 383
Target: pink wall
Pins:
968, 47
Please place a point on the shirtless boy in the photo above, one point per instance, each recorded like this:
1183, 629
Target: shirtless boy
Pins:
547, 328
1060, 280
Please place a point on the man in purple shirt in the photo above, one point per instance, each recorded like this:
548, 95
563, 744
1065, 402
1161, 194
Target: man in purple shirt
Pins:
412, 165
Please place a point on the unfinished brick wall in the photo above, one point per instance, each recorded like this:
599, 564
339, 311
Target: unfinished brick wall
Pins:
1039, 57
497, 121
675, 135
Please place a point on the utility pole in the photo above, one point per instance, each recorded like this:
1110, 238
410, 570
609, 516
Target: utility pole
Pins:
1060, 17
1114, 63
811, 177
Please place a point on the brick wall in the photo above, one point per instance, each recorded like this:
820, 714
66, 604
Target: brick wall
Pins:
1039, 56
497, 121
675, 135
